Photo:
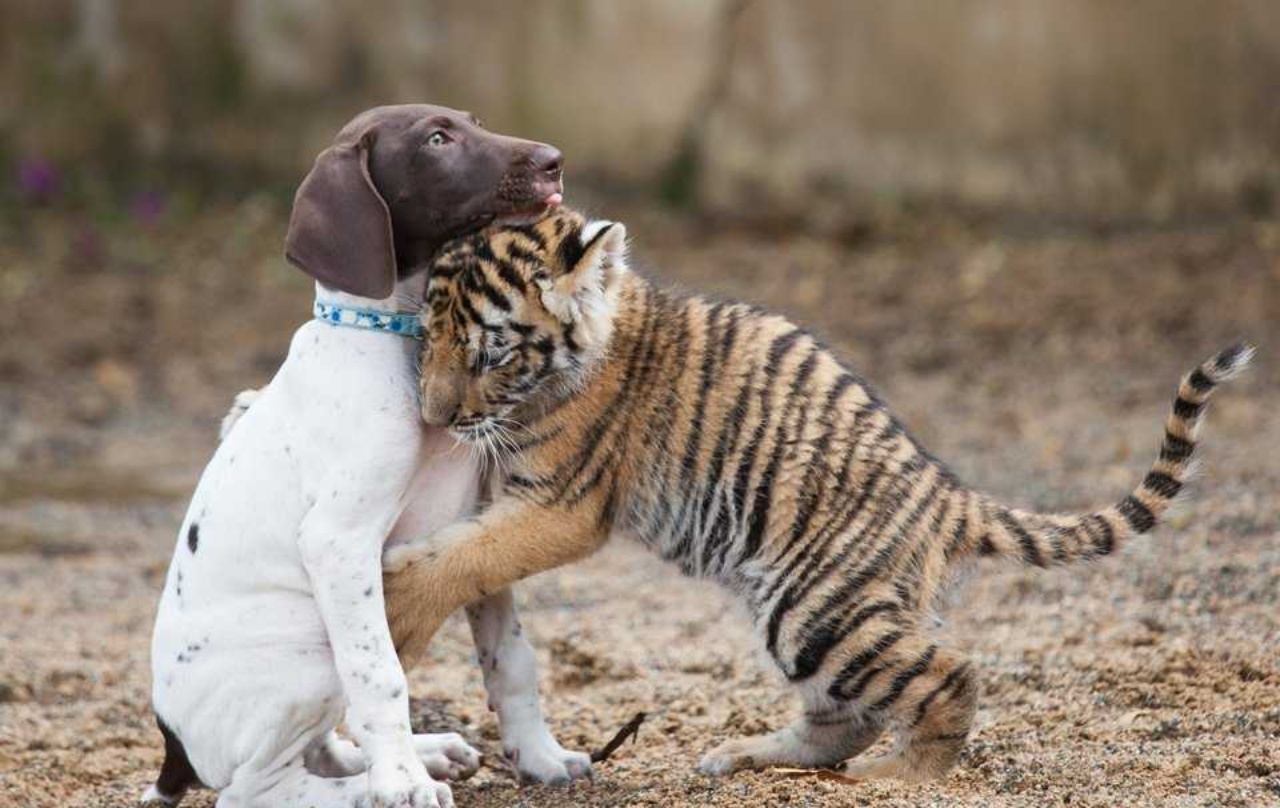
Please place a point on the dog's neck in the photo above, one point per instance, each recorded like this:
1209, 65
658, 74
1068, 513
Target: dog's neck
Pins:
405, 298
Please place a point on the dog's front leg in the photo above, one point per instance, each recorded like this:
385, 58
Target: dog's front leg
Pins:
341, 548
511, 681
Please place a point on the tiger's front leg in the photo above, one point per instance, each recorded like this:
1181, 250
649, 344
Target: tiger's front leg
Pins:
426, 581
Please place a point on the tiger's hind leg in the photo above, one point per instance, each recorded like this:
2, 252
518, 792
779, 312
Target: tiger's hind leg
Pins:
822, 737
929, 695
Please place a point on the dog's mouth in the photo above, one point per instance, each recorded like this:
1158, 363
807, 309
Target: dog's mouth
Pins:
543, 197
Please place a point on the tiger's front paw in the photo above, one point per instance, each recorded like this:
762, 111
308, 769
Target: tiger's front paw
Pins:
400, 557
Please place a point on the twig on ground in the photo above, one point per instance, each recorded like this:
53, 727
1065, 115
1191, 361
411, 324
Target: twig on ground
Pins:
629, 730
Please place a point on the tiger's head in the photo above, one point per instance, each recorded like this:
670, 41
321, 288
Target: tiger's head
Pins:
517, 317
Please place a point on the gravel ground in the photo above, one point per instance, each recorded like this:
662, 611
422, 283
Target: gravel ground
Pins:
1039, 365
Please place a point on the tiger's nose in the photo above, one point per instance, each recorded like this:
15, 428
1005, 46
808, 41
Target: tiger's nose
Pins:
439, 412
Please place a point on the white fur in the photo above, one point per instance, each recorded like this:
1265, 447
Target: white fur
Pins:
274, 628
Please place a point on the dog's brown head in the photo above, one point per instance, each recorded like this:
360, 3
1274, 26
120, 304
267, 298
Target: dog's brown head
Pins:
400, 181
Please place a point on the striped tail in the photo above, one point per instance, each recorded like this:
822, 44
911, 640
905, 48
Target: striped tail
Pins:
1042, 540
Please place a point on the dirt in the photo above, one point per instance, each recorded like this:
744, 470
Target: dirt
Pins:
1040, 366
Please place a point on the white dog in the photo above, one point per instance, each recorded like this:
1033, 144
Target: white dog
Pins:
271, 628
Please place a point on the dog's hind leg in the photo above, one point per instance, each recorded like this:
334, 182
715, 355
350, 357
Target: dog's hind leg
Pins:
332, 756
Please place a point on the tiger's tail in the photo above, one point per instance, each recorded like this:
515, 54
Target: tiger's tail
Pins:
1042, 540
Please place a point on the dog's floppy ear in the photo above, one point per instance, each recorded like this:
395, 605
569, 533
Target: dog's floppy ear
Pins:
340, 228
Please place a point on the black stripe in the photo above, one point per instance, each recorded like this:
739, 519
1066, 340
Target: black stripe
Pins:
905, 678
858, 662
1108, 541
860, 685
1158, 482
530, 232
693, 440
469, 312
1030, 549
728, 433
961, 531
923, 707
571, 251
763, 499
491, 293
819, 641
1138, 516
1175, 449
811, 488
1187, 409
717, 543
1200, 382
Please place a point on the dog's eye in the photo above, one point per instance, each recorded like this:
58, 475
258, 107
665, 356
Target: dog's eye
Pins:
437, 138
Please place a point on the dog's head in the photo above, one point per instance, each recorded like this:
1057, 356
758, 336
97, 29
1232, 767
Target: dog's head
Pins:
400, 181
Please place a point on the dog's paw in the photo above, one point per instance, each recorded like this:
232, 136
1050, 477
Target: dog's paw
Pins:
243, 401
403, 785
541, 759
446, 755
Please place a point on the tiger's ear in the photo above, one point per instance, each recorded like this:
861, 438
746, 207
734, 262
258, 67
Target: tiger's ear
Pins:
592, 267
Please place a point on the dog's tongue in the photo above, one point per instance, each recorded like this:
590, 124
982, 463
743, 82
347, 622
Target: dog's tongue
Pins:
554, 200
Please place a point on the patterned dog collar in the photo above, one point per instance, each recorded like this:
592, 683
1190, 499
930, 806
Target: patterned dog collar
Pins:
401, 325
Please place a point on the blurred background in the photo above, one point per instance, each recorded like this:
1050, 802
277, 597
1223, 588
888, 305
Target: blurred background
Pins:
1021, 218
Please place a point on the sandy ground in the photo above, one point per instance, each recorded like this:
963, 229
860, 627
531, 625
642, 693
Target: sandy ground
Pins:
1040, 366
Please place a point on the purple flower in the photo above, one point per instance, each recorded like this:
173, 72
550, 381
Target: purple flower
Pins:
147, 207
38, 178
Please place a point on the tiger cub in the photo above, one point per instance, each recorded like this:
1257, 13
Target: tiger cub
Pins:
731, 442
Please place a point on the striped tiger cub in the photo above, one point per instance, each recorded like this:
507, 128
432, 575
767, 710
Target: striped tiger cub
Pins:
734, 444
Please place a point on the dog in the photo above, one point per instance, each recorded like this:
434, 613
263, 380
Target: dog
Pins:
271, 626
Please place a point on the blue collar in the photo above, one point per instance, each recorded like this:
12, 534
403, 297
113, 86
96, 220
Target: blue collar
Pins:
400, 325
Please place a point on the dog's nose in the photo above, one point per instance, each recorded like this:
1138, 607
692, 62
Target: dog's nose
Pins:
548, 160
